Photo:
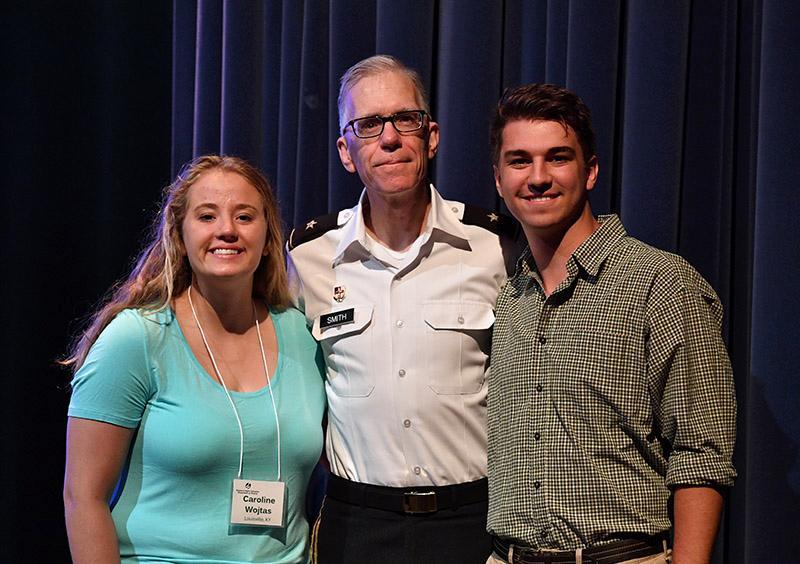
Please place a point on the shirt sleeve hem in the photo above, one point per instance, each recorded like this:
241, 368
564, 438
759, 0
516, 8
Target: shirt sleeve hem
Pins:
721, 475
103, 417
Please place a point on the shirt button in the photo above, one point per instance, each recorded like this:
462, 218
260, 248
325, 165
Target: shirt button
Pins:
537, 484
454, 209
542, 339
536, 435
417, 470
401, 372
544, 533
461, 319
407, 423
399, 323
538, 387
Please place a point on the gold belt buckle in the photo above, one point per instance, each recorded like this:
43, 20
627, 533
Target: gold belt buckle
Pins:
419, 502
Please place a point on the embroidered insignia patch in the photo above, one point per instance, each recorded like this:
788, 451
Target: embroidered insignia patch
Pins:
339, 293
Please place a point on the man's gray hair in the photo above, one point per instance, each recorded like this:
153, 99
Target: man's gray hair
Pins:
371, 66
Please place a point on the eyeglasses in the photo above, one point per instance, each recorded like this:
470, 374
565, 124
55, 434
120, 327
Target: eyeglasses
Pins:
372, 126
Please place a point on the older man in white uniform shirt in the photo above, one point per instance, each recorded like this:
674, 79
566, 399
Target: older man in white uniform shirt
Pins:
400, 292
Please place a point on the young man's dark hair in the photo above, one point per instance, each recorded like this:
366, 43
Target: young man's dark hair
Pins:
545, 102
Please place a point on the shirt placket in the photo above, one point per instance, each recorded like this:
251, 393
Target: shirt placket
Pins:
404, 378
550, 328
541, 413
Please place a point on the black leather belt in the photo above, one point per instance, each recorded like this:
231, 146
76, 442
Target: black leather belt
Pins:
609, 553
413, 500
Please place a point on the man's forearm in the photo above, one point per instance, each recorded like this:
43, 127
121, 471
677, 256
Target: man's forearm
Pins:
697, 511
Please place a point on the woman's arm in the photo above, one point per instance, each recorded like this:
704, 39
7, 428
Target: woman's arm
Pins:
96, 452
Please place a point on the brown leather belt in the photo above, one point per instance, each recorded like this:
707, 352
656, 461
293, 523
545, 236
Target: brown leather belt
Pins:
609, 553
413, 500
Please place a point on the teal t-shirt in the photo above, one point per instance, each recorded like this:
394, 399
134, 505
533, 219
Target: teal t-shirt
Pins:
173, 502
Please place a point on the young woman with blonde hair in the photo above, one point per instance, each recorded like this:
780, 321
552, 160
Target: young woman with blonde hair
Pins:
195, 419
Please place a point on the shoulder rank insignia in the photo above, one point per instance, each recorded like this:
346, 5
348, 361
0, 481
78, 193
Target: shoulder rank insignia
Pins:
491, 220
312, 229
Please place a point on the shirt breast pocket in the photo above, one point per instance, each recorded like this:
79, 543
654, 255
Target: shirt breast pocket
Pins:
457, 342
347, 347
600, 375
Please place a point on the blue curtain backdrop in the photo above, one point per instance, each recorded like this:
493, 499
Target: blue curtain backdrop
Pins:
695, 107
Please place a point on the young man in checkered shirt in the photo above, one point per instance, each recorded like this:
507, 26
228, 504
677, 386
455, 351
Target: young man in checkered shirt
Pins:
611, 402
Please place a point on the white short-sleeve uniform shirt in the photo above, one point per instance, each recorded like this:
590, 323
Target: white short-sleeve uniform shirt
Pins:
406, 339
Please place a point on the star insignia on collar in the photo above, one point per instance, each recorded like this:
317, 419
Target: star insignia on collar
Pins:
311, 224
493, 216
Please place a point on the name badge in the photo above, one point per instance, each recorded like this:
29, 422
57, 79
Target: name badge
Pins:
337, 318
258, 503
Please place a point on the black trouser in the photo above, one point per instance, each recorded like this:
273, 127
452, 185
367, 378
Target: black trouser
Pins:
349, 534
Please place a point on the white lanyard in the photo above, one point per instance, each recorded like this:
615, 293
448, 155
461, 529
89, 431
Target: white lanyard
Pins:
227, 393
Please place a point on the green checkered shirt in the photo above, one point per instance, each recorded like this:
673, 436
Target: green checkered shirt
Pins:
605, 394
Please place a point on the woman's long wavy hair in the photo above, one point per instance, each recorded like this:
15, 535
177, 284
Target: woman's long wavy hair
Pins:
162, 271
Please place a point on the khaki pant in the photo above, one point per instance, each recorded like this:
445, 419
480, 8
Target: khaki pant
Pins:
661, 558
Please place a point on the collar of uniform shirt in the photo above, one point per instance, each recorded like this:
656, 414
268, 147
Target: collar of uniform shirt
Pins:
442, 222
